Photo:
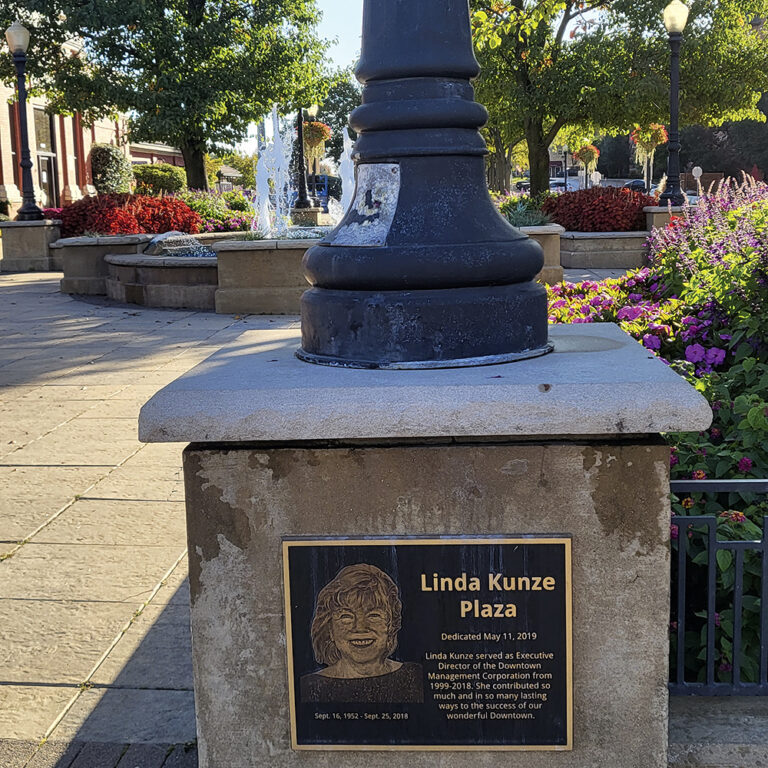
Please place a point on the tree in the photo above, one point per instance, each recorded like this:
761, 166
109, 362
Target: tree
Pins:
344, 96
191, 73
550, 64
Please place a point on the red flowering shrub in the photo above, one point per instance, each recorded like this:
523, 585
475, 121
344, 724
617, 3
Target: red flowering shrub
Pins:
128, 215
600, 209
117, 221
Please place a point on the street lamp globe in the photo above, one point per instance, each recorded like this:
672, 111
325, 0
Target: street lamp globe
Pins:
17, 37
312, 111
676, 17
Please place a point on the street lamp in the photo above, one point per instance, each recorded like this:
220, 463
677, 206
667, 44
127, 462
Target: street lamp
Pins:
422, 272
312, 114
302, 200
675, 19
18, 42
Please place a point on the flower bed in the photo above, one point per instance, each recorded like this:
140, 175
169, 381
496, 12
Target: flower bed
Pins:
700, 307
600, 209
127, 215
219, 212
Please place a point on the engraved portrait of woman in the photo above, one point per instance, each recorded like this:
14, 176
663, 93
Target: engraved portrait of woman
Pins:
354, 633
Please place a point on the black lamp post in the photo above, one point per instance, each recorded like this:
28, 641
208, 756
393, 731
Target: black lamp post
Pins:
675, 19
18, 42
302, 201
422, 272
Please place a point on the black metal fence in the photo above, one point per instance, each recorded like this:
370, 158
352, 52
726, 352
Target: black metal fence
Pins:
719, 612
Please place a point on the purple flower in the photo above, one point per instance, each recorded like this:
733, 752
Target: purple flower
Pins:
695, 353
635, 297
651, 342
629, 313
745, 465
715, 356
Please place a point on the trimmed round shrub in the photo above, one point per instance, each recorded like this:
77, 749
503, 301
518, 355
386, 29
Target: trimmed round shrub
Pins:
600, 209
128, 215
112, 172
159, 179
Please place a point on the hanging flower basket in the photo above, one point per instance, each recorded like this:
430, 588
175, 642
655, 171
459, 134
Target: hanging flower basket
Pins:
588, 155
647, 139
315, 136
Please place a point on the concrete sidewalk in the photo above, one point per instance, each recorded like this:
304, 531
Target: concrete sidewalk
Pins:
95, 667
94, 638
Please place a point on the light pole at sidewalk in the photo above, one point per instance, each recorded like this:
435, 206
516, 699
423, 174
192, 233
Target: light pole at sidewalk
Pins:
18, 42
675, 19
422, 272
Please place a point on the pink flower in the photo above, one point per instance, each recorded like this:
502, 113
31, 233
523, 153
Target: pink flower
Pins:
698, 474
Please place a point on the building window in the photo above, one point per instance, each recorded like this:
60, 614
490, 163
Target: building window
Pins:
15, 156
43, 131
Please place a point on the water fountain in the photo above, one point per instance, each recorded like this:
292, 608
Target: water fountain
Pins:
275, 189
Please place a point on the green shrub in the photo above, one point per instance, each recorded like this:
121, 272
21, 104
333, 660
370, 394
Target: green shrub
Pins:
210, 205
237, 201
159, 178
522, 216
112, 172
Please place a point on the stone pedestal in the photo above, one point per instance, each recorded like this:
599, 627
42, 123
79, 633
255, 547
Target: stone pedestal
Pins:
310, 217
548, 237
561, 445
26, 245
660, 216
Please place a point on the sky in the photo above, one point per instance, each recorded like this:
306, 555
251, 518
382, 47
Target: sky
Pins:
342, 19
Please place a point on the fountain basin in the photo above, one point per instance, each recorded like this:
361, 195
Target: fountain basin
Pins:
176, 282
261, 277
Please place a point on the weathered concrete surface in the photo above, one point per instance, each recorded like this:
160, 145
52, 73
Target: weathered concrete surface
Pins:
25, 246
718, 732
598, 381
612, 498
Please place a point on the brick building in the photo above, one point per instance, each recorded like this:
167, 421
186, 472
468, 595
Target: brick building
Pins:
60, 148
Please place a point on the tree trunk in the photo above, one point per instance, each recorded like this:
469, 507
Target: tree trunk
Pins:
499, 165
194, 165
538, 157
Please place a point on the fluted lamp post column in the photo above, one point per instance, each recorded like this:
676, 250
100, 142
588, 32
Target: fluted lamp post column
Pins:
17, 37
675, 19
422, 272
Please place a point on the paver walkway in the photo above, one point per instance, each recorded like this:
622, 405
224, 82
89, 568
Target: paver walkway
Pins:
94, 637
95, 667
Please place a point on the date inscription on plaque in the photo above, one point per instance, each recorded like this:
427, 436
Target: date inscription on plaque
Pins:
439, 644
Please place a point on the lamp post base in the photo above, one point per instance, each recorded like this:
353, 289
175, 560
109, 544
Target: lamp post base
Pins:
443, 328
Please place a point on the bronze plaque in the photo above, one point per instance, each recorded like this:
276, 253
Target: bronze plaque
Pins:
429, 644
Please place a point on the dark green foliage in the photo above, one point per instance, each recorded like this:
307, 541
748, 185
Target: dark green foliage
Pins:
344, 96
159, 178
191, 73
112, 172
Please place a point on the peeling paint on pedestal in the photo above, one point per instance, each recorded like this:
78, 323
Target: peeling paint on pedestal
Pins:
369, 219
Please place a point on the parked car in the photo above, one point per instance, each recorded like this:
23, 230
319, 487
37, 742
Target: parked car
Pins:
637, 185
558, 184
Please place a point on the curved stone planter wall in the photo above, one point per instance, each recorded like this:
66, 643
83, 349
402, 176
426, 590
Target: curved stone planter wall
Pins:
154, 281
261, 277
83, 264
603, 250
